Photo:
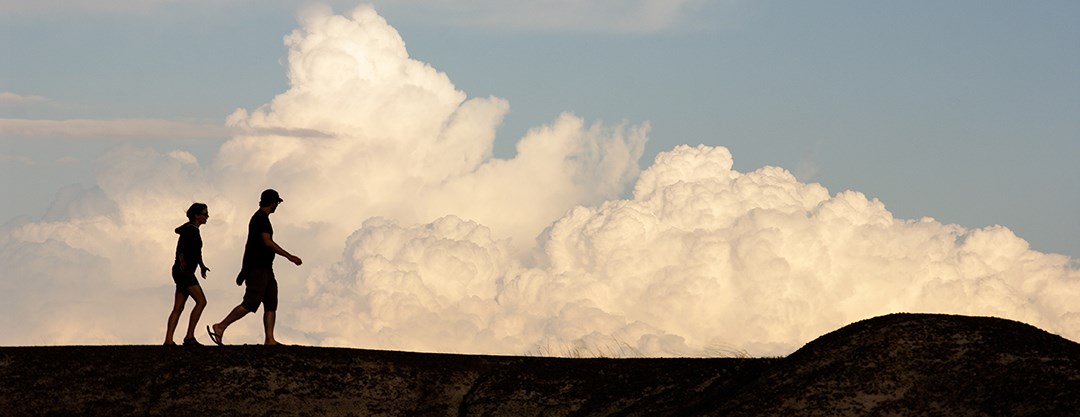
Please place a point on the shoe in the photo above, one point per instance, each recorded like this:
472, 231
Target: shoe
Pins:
214, 337
169, 343
192, 342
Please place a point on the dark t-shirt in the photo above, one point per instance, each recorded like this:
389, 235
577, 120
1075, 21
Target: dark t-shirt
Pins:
190, 245
256, 253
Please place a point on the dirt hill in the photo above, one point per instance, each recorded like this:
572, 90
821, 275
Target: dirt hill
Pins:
921, 365
896, 365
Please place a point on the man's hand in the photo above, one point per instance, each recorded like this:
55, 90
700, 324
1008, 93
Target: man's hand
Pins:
295, 259
204, 270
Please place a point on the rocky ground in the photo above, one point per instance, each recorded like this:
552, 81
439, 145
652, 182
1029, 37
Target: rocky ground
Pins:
896, 365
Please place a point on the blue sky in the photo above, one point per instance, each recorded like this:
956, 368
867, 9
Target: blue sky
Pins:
964, 111
502, 176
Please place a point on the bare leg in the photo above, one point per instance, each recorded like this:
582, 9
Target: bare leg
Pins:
200, 304
237, 313
269, 317
174, 317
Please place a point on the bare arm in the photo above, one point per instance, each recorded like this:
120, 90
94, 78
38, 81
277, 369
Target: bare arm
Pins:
278, 250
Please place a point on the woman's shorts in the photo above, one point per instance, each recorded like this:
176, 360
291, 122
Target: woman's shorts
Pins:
184, 280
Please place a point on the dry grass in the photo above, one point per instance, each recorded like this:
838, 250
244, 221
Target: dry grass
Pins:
614, 348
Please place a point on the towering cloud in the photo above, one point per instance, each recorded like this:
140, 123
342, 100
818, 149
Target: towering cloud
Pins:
415, 237
702, 259
363, 131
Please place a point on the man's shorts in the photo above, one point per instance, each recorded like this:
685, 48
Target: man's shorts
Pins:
184, 280
262, 289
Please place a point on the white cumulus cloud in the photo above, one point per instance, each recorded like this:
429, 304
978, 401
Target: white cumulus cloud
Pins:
702, 258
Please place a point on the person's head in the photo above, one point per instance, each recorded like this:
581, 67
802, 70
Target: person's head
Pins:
198, 213
270, 198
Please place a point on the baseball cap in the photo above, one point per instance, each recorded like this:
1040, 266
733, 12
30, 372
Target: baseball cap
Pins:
269, 196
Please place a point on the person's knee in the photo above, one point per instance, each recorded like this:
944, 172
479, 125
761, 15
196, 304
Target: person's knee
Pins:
249, 307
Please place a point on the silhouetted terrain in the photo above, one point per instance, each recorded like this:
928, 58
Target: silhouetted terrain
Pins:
896, 365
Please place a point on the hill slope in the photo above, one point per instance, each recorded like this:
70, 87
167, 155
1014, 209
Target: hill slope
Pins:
922, 365
902, 364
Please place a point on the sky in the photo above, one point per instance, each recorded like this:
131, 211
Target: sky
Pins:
668, 178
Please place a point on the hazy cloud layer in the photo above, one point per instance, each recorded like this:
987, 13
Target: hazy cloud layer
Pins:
109, 129
414, 237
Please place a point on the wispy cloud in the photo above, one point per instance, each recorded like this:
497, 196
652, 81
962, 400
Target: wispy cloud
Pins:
16, 160
110, 129
26, 161
8, 98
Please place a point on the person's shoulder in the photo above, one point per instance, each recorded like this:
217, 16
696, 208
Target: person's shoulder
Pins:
260, 219
186, 228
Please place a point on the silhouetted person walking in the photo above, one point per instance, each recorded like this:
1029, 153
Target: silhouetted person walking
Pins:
257, 271
188, 258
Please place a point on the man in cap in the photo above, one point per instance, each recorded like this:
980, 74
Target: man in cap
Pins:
257, 271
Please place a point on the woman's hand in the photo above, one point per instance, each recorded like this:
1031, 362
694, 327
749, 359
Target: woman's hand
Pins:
204, 270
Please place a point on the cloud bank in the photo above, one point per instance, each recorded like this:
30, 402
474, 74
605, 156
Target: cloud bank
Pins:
416, 238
